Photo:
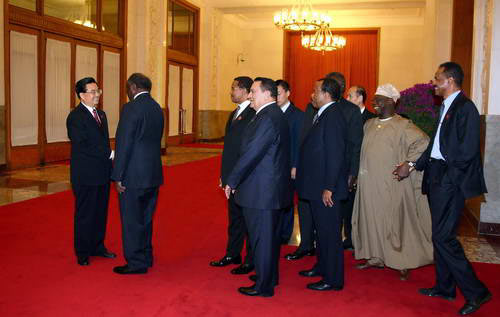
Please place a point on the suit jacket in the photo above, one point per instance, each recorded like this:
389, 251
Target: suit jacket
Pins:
138, 144
352, 116
232, 141
294, 116
322, 163
261, 176
367, 115
307, 122
459, 144
90, 150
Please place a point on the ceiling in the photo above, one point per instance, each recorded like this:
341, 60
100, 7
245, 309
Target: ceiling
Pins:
261, 12
232, 5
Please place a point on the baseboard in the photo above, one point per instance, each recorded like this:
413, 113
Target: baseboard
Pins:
215, 140
489, 228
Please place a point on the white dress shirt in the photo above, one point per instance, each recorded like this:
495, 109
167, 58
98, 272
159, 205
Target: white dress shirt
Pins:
285, 106
436, 152
267, 104
242, 106
323, 108
141, 93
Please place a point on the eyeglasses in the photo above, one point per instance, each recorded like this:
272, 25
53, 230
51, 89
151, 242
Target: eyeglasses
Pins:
95, 92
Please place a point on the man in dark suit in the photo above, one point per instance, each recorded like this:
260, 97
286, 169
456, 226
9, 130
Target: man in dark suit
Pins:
357, 96
294, 116
307, 237
352, 116
322, 180
452, 173
236, 124
138, 172
90, 169
261, 184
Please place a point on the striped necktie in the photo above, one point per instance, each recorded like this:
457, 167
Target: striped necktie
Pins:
96, 117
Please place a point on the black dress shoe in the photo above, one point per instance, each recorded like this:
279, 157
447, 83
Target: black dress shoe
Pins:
323, 286
227, 260
243, 269
106, 254
433, 292
83, 261
299, 254
309, 273
250, 291
125, 269
253, 277
349, 247
473, 305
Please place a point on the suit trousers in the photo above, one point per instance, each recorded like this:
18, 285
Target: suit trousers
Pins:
286, 225
306, 226
237, 232
446, 202
264, 239
137, 206
330, 255
91, 214
346, 207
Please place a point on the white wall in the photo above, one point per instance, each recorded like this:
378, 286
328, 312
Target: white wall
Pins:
494, 80
412, 43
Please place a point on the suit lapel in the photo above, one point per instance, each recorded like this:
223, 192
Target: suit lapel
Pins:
317, 124
241, 117
90, 117
448, 116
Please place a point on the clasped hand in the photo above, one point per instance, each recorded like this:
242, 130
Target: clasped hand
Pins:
228, 190
402, 171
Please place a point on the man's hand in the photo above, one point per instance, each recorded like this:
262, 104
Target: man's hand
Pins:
119, 187
293, 172
228, 190
351, 182
402, 171
327, 198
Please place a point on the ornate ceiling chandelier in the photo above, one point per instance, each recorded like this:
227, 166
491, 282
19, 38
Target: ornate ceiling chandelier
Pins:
301, 17
323, 40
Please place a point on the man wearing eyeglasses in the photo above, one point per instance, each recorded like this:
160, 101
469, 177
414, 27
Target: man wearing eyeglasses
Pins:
90, 171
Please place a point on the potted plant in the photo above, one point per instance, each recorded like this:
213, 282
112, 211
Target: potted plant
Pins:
421, 106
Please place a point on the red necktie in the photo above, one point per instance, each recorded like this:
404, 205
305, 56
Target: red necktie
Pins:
96, 117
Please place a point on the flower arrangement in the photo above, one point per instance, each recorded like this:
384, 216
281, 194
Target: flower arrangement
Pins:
421, 106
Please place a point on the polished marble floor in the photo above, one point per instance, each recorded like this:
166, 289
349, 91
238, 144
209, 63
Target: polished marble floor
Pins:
20, 185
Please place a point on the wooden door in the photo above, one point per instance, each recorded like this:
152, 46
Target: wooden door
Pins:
181, 103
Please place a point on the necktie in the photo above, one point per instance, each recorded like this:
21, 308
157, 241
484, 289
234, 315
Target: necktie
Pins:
96, 117
236, 113
315, 118
441, 110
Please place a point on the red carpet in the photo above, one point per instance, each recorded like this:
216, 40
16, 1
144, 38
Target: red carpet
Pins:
39, 275
203, 145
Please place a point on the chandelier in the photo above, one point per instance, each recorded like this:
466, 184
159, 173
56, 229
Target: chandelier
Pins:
301, 17
323, 40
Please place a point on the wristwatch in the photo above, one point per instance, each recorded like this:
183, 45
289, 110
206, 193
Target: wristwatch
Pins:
412, 165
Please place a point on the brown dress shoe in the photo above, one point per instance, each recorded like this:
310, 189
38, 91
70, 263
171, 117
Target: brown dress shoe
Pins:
404, 274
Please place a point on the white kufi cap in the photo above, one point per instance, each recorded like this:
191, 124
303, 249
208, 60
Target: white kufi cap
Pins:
388, 90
